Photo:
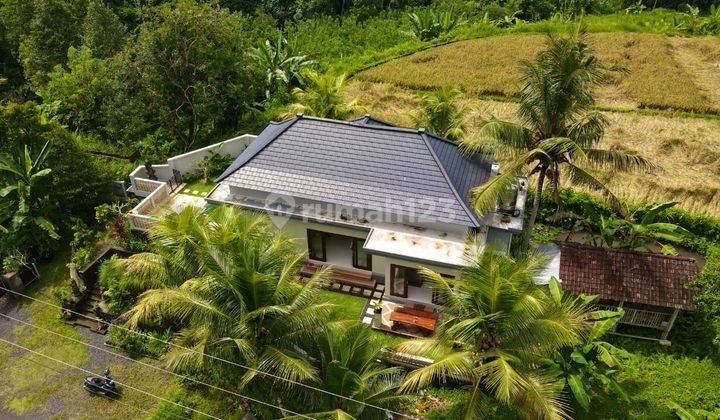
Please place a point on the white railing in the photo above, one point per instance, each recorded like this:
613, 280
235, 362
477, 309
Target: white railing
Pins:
140, 216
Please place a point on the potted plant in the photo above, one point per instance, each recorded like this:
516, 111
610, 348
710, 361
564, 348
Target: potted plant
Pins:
377, 309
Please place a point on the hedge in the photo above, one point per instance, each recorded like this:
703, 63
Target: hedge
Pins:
705, 228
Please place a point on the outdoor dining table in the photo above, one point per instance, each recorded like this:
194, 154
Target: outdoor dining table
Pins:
425, 323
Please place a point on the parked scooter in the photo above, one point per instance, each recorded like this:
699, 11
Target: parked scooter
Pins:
102, 386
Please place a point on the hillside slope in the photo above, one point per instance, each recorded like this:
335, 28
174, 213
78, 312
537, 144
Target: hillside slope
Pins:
686, 150
658, 71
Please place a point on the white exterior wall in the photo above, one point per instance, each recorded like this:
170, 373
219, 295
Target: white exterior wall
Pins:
187, 162
380, 264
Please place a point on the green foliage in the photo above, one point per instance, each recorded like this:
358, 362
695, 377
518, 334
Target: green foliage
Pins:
140, 343
704, 230
77, 94
212, 165
52, 29
224, 276
83, 243
25, 202
103, 33
442, 113
282, 67
428, 24
492, 337
346, 355
187, 74
637, 230
323, 96
708, 298
691, 413
77, 183
594, 366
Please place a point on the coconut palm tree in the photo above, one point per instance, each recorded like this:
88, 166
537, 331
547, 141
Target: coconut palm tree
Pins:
442, 114
497, 325
346, 358
558, 131
229, 279
323, 96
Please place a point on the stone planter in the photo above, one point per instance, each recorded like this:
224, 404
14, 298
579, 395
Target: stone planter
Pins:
13, 282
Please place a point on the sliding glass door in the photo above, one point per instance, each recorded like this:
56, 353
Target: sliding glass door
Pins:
317, 248
361, 258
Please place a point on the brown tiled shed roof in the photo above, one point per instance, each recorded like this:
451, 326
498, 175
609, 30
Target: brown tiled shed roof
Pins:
630, 276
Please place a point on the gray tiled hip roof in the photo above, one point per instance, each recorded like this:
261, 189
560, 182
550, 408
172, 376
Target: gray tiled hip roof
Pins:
373, 167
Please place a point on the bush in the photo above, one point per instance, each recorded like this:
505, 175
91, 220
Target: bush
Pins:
705, 228
191, 177
139, 343
708, 300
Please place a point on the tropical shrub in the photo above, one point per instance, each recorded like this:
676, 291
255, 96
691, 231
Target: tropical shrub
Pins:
637, 230
593, 366
708, 281
139, 343
428, 24
213, 164
346, 357
25, 204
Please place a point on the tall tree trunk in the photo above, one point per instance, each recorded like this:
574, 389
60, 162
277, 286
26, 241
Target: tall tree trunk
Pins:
527, 234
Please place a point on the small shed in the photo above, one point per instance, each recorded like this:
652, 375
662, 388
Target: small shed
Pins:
649, 287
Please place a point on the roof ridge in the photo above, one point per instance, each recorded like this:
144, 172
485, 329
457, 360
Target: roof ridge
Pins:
454, 190
625, 251
232, 168
369, 126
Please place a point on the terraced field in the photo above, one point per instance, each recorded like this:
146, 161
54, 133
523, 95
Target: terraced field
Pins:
686, 150
655, 71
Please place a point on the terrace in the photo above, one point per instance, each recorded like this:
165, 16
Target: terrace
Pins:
164, 190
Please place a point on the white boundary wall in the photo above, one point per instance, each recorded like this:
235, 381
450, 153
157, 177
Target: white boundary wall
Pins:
187, 162
157, 191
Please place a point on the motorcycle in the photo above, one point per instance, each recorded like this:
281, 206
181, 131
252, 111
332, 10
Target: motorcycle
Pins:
102, 386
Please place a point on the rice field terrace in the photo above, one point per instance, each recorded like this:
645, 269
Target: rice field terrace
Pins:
685, 150
654, 71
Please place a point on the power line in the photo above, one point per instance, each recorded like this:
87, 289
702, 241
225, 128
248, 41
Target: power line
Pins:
240, 365
27, 359
155, 367
118, 382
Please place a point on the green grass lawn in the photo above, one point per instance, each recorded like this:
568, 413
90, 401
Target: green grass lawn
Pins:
350, 307
33, 386
201, 187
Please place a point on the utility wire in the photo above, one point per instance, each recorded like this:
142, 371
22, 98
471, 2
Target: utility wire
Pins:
188, 378
27, 359
240, 365
95, 374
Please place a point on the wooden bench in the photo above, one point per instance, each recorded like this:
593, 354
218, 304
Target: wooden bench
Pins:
343, 276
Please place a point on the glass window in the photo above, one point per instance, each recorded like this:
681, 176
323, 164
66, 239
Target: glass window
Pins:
361, 258
316, 245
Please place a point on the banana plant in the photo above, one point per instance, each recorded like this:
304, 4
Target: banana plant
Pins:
593, 365
428, 25
282, 68
21, 204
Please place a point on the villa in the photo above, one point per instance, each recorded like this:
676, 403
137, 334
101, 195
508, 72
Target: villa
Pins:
373, 200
